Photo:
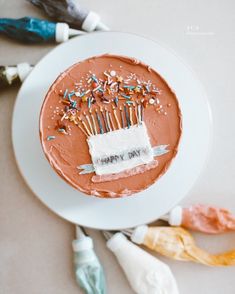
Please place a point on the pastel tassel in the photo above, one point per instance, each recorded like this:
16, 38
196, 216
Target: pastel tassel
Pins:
145, 273
70, 11
88, 270
34, 30
202, 218
177, 243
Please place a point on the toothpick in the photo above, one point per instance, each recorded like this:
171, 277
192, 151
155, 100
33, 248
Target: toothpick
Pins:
85, 126
99, 122
89, 122
139, 113
127, 116
122, 117
80, 127
111, 121
130, 115
93, 122
107, 119
116, 118
104, 119
136, 115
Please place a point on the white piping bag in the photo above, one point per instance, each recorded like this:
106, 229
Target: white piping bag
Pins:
145, 273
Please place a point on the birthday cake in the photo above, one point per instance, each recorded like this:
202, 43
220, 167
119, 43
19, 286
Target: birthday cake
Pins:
110, 126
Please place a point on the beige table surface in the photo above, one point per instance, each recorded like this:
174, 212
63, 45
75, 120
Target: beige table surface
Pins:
35, 245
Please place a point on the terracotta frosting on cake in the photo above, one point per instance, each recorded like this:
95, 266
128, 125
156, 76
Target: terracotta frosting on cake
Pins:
110, 126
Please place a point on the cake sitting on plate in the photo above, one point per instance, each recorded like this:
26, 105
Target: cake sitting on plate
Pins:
110, 126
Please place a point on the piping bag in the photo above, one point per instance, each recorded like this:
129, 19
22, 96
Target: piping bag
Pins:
34, 30
177, 243
11, 75
145, 273
202, 218
88, 270
71, 12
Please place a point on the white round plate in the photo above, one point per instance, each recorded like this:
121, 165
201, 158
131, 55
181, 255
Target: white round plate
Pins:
145, 206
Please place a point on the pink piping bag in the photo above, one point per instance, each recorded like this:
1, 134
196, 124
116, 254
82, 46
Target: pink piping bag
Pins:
202, 218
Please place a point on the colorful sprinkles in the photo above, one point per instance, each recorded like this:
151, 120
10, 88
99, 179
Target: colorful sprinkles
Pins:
127, 96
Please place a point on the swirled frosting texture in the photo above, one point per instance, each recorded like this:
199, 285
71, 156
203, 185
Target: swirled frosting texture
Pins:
65, 144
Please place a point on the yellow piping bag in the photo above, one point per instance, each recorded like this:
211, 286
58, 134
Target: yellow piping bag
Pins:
145, 273
177, 243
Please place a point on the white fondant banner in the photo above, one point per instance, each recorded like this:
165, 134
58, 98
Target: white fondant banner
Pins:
120, 150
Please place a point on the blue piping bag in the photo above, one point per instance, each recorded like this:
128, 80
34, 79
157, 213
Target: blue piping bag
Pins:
88, 270
34, 30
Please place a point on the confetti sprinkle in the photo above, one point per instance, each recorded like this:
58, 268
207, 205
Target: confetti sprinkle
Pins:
126, 96
98, 87
119, 79
65, 93
49, 138
84, 99
147, 88
113, 73
151, 101
107, 75
129, 87
74, 104
61, 130
82, 94
94, 78
95, 85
